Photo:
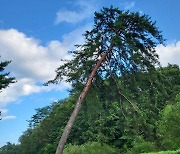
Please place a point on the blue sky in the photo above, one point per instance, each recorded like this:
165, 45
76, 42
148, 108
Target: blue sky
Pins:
35, 35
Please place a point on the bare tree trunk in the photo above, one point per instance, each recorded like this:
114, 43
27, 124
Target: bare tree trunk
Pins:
75, 112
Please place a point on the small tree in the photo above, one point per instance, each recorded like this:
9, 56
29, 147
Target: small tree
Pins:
120, 43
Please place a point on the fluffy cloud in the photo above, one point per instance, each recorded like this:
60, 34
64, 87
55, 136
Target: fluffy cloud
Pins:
3, 111
169, 54
29, 59
33, 63
8, 117
24, 87
4, 116
86, 10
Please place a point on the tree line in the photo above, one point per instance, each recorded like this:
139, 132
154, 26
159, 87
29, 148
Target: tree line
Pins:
149, 123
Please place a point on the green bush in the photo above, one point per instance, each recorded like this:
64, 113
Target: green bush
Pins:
90, 148
49, 149
169, 126
141, 146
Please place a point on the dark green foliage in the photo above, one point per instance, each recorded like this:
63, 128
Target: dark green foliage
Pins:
151, 92
133, 37
106, 117
142, 146
5, 80
9, 148
41, 113
49, 149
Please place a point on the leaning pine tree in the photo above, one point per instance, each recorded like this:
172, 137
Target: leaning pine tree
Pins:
120, 43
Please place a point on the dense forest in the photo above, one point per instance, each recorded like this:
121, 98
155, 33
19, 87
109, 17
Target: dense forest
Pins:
107, 122
132, 106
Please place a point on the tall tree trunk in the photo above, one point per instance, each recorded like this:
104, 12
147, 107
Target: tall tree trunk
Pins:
75, 112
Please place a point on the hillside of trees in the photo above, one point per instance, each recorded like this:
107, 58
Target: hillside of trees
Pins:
132, 104
107, 121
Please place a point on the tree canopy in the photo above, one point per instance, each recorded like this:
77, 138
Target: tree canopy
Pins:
133, 38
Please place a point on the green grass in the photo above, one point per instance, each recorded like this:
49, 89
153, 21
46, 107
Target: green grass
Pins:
165, 152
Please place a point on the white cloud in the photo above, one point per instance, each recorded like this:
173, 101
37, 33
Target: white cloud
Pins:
86, 9
26, 87
3, 111
4, 116
128, 5
33, 63
169, 54
8, 118
29, 58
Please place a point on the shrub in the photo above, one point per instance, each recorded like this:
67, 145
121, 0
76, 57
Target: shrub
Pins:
141, 146
168, 126
90, 148
49, 149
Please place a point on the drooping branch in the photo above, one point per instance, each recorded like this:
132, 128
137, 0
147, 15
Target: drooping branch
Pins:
133, 105
121, 94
